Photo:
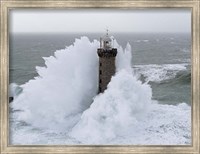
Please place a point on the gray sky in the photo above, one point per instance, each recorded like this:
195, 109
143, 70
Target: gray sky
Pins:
97, 20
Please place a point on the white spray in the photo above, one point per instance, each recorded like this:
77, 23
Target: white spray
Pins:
63, 99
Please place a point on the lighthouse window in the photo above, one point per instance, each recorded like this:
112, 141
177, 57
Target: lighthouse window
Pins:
100, 64
100, 72
99, 80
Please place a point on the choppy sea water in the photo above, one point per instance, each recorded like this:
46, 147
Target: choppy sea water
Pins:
159, 107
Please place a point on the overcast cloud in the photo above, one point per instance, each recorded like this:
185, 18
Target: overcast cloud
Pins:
91, 20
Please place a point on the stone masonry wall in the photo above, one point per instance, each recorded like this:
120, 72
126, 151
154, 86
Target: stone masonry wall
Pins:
106, 71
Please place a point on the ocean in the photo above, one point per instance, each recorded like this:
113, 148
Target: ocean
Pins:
162, 62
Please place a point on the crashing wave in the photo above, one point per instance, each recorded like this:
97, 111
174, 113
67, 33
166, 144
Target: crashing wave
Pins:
62, 99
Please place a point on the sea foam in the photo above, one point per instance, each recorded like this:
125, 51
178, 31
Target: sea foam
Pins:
114, 112
159, 73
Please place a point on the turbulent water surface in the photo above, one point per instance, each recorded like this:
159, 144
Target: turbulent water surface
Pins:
56, 101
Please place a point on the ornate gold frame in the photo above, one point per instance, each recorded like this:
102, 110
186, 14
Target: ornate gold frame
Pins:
5, 148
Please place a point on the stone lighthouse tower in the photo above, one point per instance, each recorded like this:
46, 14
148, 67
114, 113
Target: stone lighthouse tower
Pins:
107, 56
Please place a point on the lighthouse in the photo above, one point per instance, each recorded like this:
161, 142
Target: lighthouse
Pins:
107, 56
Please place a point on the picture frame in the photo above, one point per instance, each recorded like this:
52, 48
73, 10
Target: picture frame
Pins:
7, 5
